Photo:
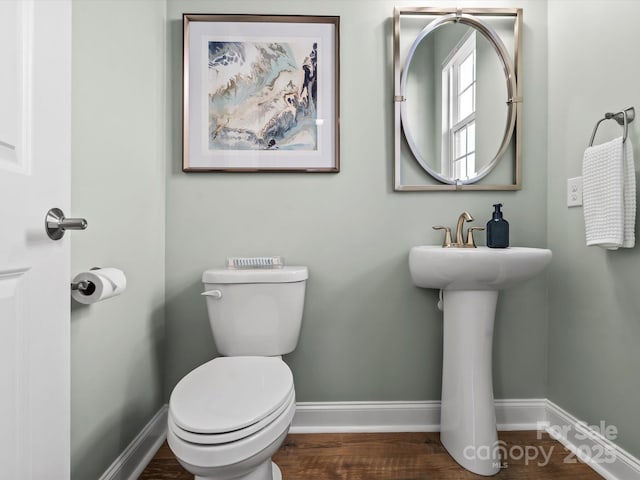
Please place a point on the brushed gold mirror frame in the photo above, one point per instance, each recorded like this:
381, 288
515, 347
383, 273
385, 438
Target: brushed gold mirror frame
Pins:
516, 100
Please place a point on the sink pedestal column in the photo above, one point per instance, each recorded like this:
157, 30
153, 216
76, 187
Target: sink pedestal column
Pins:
468, 420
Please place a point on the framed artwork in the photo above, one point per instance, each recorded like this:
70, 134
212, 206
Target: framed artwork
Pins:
261, 93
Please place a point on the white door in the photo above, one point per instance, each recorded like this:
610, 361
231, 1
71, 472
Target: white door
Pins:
35, 133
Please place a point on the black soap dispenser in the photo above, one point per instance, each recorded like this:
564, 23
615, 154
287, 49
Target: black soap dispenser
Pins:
497, 229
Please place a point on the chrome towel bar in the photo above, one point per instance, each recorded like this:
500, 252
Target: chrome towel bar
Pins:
623, 117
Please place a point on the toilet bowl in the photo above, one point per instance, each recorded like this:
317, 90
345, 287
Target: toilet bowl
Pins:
228, 416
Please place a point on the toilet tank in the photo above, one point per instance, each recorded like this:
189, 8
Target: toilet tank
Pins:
257, 311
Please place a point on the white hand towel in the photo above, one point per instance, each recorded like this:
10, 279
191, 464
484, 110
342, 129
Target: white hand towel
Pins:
609, 200
629, 192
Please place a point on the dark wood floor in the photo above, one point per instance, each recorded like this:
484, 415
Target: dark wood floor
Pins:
397, 456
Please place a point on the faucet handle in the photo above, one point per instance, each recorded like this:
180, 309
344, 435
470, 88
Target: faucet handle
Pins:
447, 236
470, 243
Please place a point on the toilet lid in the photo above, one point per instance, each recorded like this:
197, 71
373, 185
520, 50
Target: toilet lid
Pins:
230, 393
256, 275
218, 438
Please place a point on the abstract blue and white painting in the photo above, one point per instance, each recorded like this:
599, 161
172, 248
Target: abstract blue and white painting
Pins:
263, 95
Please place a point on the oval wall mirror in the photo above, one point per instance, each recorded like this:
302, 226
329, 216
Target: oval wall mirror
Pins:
457, 99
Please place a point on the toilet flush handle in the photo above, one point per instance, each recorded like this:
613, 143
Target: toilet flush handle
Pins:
212, 293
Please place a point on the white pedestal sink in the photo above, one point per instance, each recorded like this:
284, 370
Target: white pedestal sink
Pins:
470, 279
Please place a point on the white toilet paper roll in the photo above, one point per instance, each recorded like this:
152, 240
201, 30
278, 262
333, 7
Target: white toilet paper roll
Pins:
104, 283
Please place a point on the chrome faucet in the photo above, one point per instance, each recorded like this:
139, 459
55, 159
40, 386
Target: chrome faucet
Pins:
460, 243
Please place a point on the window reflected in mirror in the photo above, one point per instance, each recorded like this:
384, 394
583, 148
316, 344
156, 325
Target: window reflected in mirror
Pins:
459, 109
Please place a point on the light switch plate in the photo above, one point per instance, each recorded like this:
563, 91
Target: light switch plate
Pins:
574, 192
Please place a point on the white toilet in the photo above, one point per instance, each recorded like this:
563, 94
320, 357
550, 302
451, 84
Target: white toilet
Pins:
228, 416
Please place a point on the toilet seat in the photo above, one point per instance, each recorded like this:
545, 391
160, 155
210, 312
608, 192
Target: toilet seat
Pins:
217, 438
262, 444
230, 397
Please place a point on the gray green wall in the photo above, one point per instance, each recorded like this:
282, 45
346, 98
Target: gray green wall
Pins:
117, 346
594, 323
368, 333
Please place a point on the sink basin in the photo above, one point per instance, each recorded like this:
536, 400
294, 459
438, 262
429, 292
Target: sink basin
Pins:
470, 279
479, 268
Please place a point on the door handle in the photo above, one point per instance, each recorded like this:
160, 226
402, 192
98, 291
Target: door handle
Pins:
55, 224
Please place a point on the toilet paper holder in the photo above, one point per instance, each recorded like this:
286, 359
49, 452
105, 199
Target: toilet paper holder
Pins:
85, 286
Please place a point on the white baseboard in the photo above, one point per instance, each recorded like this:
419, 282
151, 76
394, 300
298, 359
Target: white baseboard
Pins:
350, 417
520, 414
590, 445
131, 463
